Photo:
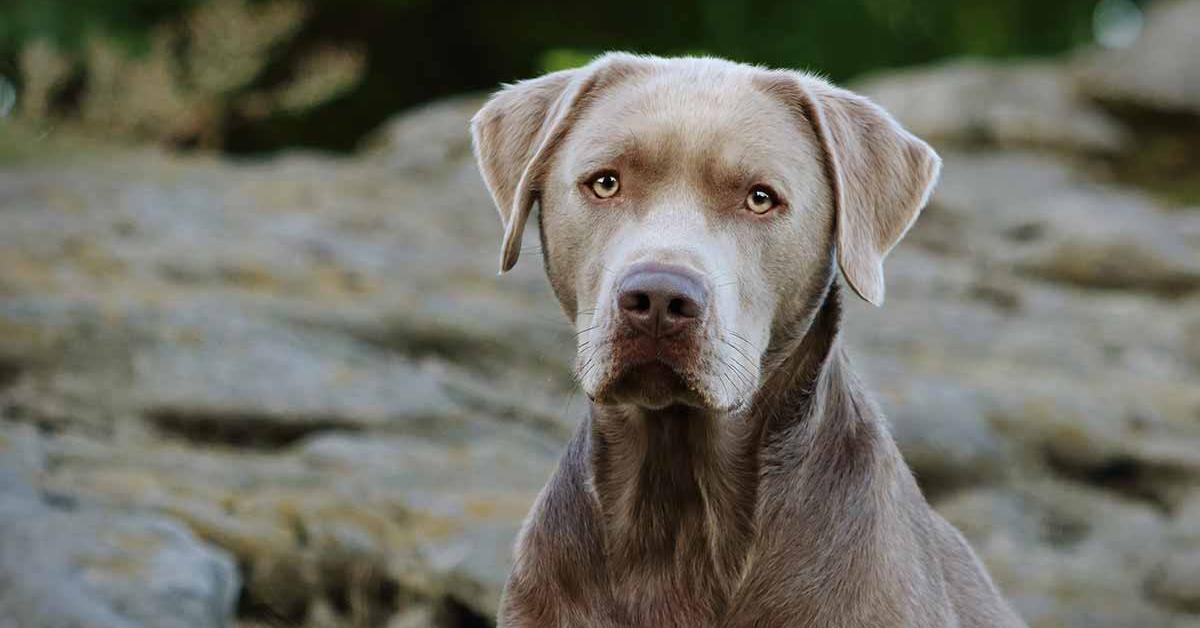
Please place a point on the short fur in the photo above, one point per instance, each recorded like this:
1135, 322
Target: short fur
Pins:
780, 499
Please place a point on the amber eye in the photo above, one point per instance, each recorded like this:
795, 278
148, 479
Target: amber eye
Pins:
606, 185
760, 200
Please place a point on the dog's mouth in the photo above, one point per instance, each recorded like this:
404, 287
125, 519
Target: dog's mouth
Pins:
653, 384
651, 374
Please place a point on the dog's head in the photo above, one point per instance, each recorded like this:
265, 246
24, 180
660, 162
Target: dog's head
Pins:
691, 210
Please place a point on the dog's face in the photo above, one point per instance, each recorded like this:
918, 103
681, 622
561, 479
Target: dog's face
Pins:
690, 210
679, 216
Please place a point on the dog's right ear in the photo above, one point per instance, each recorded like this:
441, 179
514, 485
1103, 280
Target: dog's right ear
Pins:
880, 174
517, 131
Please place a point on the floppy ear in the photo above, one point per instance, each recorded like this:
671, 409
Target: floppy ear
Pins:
516, 133
881, 175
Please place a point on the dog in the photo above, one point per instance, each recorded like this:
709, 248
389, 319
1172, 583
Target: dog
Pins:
694, 214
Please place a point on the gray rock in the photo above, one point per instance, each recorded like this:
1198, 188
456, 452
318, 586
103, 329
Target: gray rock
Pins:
941, 427
1177, 583
64, 564
1005, 104
1061, 227
432, 519
1159, 71
428, 137
1065, 555
97, 568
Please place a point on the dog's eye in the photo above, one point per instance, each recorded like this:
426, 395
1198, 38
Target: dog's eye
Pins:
760, 200
606, 185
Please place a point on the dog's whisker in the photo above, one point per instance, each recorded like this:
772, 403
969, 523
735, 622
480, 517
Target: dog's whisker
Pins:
734, 333
748, 375
588, 363
584, 369
588, 368
749, 360
736, 373
738, 370
745, 379
739, 350
742, 339
725, 387
727, 383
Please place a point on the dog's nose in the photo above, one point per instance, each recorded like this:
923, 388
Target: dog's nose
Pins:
661, 301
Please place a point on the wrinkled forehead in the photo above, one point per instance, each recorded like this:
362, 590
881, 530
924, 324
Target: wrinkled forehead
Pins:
709, 120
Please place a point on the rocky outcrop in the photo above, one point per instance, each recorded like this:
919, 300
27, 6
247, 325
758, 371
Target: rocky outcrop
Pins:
294, 391
996, 103
66, 563
1159, 70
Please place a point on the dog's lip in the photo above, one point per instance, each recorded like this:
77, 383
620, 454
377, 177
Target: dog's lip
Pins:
687, 393
648, 363
643, 360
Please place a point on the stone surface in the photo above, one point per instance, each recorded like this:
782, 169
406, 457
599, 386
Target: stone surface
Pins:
976, 101
1065, 555
311, 364
65, 564
1159, 71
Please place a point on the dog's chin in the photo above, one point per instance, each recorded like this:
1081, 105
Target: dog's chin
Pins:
652, 385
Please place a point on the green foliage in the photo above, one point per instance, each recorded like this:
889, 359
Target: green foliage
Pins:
202, 71
67, 23
840, 38
557, 59
417, 50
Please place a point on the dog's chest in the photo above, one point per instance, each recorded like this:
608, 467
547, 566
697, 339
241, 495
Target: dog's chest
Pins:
675, 526
676, 597
683, 578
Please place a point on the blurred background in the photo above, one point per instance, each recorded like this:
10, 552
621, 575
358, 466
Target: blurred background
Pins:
257, 369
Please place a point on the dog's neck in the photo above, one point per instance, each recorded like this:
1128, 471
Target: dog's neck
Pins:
675, 487
678, 487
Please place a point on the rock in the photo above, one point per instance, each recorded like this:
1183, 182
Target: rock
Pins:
1177, 583
199, 324
66, 564
103, 569
475, 494
388, 520
1117, 263
941, 427
1159, 70
986, 361
21, 459
995, 103
246, 378
1065, 229
1065, 555
421, 617
1176, 580
428, 137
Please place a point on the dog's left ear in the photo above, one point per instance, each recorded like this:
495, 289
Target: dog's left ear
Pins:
517, 131
881, 174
